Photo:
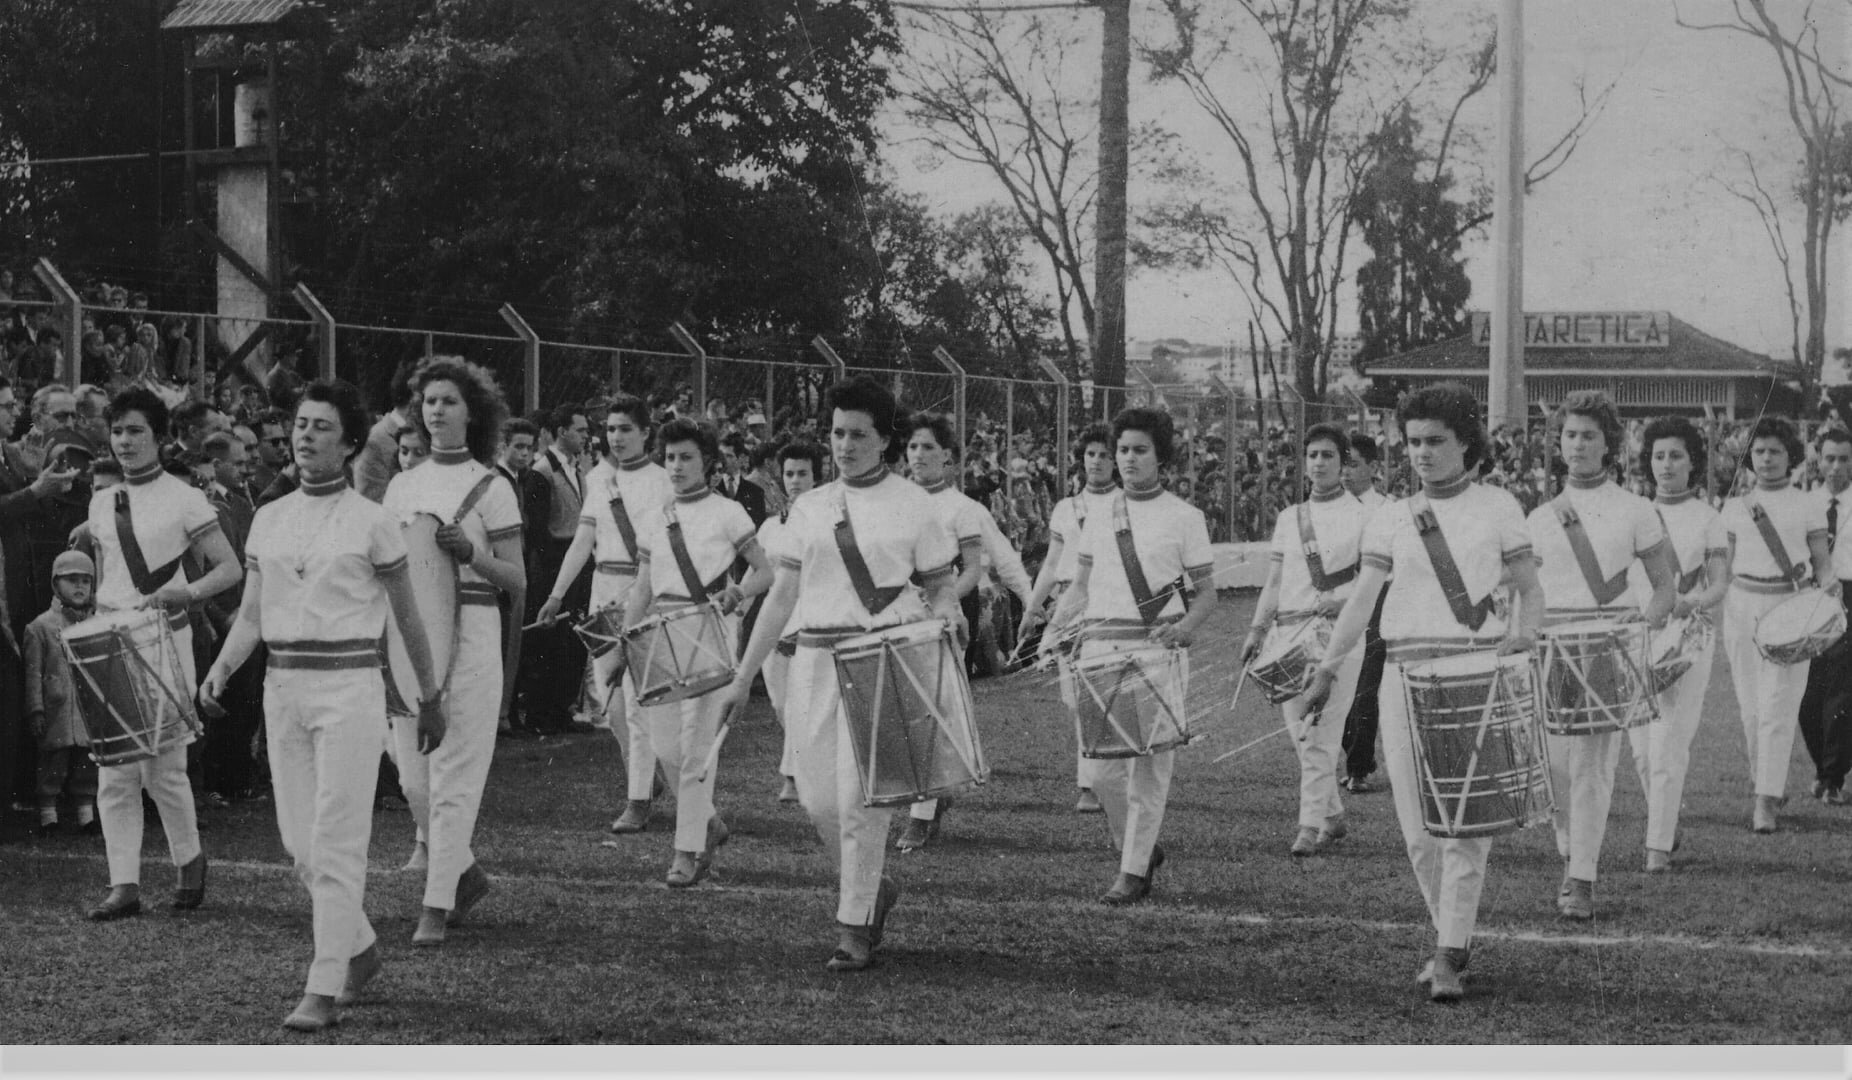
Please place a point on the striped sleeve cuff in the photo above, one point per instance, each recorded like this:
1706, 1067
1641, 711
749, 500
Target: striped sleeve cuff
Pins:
1517, 553
1380, 562
212, 526
390, 565
936, 572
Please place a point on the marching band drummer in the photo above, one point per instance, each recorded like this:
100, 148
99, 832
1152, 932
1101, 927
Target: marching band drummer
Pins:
1769, 527
1148, 535
140, 530
1314, 560
684, 553
1585, 539
324, 566
1441, 555
1673, 453
1093, 452
844, 566
619, 490
461, 411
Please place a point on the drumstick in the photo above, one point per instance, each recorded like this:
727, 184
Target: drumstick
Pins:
1246, 746
713, 753
550, 622
1239, 683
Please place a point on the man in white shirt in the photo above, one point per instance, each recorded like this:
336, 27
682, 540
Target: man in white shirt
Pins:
1826, 707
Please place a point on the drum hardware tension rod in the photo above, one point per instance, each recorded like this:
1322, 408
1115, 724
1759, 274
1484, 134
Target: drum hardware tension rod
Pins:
1245, 746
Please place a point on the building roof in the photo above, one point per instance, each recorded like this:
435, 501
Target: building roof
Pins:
212, 16
1688, 351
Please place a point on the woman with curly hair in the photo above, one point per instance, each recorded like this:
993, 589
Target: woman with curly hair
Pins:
460, 410
1586, 540
1771, 527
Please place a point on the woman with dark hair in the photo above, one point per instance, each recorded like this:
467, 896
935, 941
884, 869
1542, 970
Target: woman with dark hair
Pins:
460, 410
697, 536
1438, 609
1673, 454
1585, 540
800, 469
624, 486
1093, 455
1770, 528
140, 530
324, 569
1147, 536
897, 537
1316, 546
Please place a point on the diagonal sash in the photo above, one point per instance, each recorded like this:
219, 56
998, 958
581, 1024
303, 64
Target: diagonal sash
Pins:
1149, 605
1605, 591
147, 582
624, 528
873, 597
1687, 580
691, 578
1465, 612
1789, 571
1314, 561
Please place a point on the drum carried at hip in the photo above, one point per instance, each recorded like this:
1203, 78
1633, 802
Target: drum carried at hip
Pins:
912, 728
1676, 646
1480, 764
132, 690
1130, 702
1800, 628
679, 652
1291, 653
1596, 677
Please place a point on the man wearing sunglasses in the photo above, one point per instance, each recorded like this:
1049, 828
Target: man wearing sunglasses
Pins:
54, 409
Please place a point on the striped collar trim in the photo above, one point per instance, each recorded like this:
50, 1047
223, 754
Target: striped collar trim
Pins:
1141, 494
146, 476
1676, 497
1102, 489
868, 479
634, 463
694, 496
1586, 483
1333, 495
458, 455
1447, 489
333, 486
937, 486
1779, 485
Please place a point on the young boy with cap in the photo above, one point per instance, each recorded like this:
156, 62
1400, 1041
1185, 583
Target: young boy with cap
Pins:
51, 696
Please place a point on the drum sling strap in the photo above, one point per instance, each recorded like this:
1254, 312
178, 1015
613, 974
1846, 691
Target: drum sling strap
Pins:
1686, 580
691, 578
873, 597
1148, 604
1315, 562
1789, 571
146, 581
1446, 571
1604, 590
622, 517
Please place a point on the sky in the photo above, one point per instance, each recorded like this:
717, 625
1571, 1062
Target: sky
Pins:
1639, 219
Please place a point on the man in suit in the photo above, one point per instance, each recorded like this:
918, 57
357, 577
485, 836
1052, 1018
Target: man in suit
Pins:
519, 437
557, 660
733, 483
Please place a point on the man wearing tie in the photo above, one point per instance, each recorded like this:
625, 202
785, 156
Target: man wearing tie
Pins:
558, 657
1826, 707
519, 437
733, 483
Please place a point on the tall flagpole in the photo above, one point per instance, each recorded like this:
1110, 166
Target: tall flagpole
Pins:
1506, 400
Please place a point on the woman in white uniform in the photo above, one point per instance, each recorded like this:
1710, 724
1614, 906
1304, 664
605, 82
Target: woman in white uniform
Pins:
323, 567
1673, 453
698, 535
1777, 548
140, 530
1093, 453
1135, 565
897, 535
1438, 609
800, 468
1316, 545
461, 411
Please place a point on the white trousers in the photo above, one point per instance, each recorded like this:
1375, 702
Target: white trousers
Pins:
118, 797
622, 713
445, 786
1451, 872
778, 686
1768, 695
1135, 791
1662, 751
681, 734
325, 730
1582, 779
1086, 769
1321, 746
830, 788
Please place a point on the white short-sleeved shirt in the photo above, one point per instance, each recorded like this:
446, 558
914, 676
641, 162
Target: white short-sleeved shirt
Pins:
899, 531
319, 558
1338, 524
1621, 527
169, 515
1695, 531
714, 529
1485, 530
960, 512
1066, 521
1374, 500
1796, 517
644, 487
438, 487
1171, 538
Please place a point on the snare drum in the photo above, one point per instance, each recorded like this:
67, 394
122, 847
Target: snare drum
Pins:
1675, 647
908, 707
1595, 676
132, 690
603, 631
1285, 663
1480, 764
1128, 703
1800, 628
679, 653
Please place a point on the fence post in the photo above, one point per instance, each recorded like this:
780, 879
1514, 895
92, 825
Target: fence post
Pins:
686, 340
1230, 479
959, 380
1062, 434
1009, 424
324, 326
837, 367
73, 306
617, 370
530, 368
199, 361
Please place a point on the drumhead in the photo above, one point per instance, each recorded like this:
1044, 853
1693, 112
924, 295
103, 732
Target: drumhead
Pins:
432, 575
1477, 662
913, 633
1797, 618
1586, 628
1284, 639
108, 622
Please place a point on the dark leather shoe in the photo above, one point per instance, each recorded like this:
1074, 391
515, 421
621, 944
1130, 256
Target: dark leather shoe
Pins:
122, 902
472, 886
1129, 889
885, 899
188, 897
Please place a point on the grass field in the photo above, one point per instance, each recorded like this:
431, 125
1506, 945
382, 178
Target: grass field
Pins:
999, 937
